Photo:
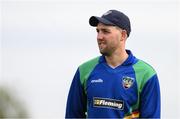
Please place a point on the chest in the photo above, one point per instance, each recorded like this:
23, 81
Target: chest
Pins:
118, 84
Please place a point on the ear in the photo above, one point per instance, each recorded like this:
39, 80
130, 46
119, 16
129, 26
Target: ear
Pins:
124, 35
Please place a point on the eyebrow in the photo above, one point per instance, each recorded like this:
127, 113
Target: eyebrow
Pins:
102, 29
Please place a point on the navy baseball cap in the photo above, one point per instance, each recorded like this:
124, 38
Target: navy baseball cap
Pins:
114, 18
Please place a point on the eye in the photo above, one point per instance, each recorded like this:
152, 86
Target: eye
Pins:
105, 31
97, 30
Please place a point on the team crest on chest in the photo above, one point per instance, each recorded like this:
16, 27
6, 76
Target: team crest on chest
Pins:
127, 82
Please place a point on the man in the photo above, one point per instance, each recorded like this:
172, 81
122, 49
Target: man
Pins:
116, 84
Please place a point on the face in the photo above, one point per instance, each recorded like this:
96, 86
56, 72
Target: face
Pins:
109, 39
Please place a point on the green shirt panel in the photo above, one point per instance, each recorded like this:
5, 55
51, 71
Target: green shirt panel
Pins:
86, 69
143, 73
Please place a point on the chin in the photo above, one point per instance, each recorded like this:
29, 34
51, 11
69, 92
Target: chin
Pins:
104, 53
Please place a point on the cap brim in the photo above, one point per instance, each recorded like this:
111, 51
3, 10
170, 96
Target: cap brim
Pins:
93, 21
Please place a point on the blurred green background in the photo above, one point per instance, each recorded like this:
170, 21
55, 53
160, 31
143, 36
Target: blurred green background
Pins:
10, 105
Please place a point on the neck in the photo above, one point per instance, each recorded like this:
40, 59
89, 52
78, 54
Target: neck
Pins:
116, 59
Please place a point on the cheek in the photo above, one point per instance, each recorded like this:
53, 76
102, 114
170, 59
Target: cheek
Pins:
115, 39
115, 42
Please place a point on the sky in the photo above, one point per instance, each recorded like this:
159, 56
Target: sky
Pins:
44, 41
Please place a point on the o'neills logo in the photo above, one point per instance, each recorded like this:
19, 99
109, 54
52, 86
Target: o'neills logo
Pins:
108, 103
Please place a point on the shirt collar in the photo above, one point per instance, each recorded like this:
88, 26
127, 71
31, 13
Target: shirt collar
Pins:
129, 61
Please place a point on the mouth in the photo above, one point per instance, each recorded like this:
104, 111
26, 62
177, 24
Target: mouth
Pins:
101, 45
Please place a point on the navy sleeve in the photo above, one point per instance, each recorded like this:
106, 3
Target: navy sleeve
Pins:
76, 102
150, 102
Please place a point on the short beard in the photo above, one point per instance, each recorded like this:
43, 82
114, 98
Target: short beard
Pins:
108, 51
105, 53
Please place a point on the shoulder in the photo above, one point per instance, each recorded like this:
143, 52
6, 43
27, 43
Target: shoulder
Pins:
144, 67
90, 63
86, 68
143, 72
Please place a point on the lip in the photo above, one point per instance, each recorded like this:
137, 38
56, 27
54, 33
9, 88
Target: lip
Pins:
101, 45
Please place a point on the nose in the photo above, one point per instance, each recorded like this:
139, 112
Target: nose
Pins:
99, 36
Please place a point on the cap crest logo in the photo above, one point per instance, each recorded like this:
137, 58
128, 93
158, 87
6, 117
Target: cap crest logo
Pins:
108, 12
